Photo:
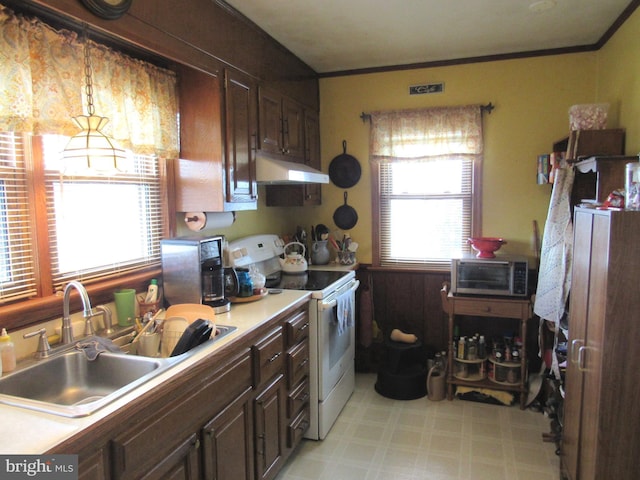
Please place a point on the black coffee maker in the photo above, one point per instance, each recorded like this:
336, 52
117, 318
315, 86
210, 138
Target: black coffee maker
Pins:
193, 271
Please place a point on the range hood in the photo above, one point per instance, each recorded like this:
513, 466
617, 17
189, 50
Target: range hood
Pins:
271, 171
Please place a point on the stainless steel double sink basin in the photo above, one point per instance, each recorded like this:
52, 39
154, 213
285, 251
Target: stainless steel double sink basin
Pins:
71, 385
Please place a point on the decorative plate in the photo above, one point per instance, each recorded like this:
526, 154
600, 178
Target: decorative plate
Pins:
108, 9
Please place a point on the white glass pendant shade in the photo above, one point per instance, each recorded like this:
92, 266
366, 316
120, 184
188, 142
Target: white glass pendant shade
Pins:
91, 152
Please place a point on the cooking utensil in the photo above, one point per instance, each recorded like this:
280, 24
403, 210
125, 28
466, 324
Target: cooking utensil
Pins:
344, 170
151, 322
345, 216
320, 231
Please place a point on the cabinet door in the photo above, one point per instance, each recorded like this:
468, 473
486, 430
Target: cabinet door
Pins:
228, 442
198, 171
590, 360
269, 429
293, 128
182, 463
577, 338
241, 124
270, 106
93, 467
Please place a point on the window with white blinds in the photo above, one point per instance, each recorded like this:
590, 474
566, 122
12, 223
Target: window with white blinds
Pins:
17, 269
427, 169
100, 226
425, 211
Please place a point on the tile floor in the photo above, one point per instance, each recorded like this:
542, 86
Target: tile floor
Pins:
376, 438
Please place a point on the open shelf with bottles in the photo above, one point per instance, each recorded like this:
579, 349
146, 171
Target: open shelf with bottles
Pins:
491, 369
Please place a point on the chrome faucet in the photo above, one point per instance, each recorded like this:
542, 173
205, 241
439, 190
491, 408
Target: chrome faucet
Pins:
106, 317
67, 330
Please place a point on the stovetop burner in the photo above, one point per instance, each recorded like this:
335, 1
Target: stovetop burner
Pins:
311, 280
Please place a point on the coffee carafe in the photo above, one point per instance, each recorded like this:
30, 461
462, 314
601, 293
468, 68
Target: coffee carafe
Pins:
212, 281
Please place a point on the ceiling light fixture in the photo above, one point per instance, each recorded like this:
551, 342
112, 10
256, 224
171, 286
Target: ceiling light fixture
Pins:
542, 5
91, 152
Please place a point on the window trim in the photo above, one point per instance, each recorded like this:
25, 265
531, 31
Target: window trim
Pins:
48, 305
476, 215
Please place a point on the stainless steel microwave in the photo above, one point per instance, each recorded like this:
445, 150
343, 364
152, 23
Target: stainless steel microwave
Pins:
501, 276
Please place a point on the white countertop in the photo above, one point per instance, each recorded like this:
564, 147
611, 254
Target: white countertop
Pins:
24, 431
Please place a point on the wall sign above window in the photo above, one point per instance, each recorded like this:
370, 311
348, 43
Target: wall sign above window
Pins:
109, 9
426, 88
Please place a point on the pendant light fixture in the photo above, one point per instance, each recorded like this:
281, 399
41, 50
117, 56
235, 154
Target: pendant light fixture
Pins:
91, 152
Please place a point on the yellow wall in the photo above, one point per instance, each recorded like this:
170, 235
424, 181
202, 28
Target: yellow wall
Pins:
531, 97
619, 80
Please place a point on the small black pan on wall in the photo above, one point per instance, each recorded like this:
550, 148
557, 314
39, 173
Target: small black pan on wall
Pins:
344, 170
345, 217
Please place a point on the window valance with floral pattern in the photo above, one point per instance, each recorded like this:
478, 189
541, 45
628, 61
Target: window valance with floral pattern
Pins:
42, 80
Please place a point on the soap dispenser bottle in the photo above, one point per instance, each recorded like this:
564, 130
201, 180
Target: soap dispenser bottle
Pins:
7, 351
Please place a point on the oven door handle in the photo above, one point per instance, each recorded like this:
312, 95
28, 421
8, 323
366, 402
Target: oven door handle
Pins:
332, 303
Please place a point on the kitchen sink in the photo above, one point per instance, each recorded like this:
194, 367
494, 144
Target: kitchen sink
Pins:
71, 385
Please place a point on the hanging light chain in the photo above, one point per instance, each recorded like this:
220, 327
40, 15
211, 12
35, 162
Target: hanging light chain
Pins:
88, 87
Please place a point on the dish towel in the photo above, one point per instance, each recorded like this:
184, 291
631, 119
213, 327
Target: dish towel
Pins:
344, 311
554, 279
94, 346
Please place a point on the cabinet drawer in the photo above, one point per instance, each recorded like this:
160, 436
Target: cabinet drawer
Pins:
269, 356
298, 397
491, 308
297, 363
297, 328
297, 427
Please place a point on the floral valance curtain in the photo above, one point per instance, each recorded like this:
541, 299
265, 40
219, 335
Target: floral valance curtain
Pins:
425, 133
42, 85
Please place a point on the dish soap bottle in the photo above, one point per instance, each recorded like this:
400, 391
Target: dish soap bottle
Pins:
7, 351
152, 292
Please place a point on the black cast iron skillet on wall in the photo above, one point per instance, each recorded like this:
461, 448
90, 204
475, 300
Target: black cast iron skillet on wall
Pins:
345, 217
344, 170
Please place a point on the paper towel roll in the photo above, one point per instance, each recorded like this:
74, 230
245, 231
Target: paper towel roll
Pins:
196, 221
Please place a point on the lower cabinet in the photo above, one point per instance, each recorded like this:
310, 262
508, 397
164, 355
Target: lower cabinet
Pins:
269, 431
183, 462
232, 416
227, 442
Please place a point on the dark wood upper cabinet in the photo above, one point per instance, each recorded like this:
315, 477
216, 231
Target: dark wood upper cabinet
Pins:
241, 126
281, 125
307, 194
218, 126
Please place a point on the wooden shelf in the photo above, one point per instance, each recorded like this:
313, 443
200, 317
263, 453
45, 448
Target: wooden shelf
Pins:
486, 307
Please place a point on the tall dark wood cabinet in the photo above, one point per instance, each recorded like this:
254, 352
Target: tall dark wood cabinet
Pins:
601, 434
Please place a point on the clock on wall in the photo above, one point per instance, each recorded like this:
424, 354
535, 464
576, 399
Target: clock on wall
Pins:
109, 9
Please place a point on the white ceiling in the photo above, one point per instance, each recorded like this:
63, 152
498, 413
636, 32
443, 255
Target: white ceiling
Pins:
338, 35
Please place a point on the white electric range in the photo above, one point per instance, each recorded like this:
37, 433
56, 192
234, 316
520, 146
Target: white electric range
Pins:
331, 339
